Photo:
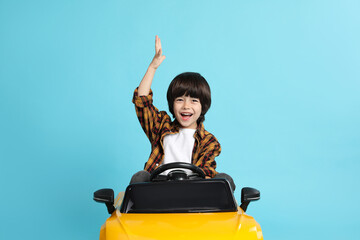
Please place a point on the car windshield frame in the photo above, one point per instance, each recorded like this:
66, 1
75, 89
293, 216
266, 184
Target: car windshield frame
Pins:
186, 196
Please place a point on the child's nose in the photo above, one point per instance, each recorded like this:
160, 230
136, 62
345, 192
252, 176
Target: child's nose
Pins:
186, 104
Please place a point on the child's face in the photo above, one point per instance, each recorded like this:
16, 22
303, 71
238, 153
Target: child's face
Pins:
187, 110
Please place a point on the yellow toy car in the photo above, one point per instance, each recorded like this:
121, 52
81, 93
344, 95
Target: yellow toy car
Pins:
183, 206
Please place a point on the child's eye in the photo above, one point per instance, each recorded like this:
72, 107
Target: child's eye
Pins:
179, 99
195, 100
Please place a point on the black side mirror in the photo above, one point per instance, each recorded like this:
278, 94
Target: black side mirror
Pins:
106, 196
248, 195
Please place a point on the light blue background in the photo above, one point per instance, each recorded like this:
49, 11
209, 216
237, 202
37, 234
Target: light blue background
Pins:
286, 98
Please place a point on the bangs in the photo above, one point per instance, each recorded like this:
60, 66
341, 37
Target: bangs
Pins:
186, 88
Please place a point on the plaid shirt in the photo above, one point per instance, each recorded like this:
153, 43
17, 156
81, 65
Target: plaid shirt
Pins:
157, 124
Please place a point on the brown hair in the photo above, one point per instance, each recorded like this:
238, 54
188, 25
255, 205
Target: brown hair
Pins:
190, 84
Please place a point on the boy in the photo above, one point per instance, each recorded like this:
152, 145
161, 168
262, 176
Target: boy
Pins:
181, 140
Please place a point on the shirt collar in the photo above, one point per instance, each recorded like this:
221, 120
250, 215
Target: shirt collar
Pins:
201, 130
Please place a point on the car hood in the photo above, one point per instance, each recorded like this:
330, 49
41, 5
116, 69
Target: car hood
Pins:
224, 225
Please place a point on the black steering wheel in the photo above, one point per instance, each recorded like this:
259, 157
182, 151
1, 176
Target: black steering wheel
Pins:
168, 166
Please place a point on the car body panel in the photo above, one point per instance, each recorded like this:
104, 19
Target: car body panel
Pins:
223, 225
176, 226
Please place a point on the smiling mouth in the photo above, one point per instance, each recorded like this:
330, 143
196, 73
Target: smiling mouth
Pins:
185, 116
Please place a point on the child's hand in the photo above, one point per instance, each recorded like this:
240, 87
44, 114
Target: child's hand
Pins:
158, 58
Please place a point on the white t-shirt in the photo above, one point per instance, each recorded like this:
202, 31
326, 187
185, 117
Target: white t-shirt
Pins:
179, 147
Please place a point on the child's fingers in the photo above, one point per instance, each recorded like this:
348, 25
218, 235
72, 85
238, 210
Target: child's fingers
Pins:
157, 46
159, 41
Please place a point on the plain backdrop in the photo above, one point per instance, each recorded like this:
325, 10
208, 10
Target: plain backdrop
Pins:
285, 80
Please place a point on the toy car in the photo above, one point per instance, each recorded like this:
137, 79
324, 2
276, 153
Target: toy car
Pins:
182, 206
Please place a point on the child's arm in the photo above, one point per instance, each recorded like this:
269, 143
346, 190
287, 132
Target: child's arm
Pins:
204, 156
145, 84
207, 159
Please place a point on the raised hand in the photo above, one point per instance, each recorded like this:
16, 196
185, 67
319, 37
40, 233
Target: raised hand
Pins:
158, 58
145, 84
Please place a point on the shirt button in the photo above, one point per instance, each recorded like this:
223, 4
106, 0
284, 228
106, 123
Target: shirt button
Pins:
156, 164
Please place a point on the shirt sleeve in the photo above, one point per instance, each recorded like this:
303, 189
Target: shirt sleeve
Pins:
206, 160
149, 116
